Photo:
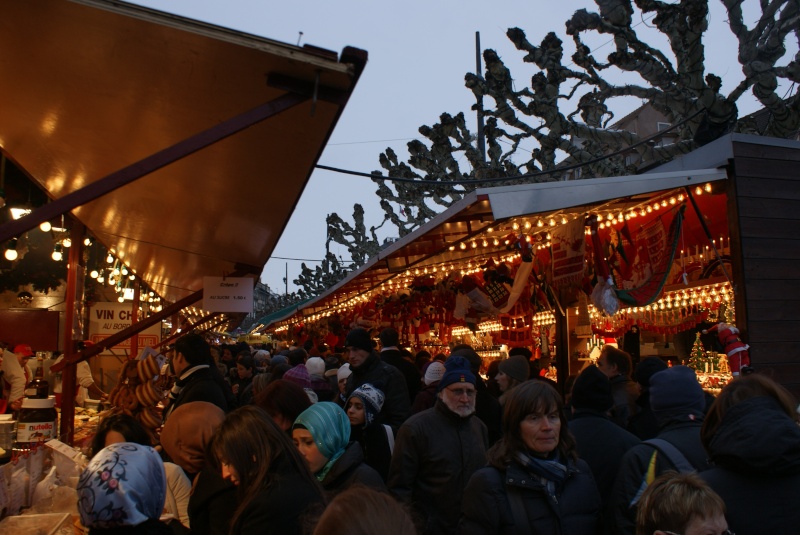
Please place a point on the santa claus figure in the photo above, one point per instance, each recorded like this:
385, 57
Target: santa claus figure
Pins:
737, 351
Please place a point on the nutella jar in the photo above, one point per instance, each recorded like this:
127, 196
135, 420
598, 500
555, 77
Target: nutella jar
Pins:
36, 423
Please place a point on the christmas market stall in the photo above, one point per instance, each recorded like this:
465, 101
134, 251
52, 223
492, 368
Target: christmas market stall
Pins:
682, 262
181, 147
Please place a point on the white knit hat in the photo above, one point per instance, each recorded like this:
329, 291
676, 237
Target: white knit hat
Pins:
434, 372
315, 366
344, 371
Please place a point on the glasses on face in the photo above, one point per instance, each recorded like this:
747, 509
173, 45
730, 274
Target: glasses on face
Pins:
458, 392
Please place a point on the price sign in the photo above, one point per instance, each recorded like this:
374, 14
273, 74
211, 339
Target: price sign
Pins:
228, 294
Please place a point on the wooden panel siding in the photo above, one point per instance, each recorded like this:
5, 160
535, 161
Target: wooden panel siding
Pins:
759, 227
765, 212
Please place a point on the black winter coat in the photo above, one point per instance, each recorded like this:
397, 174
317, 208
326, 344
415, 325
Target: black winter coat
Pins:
756, 457
375, 445
683, 432
211, 504
281, 507
574, 510
624, 392
390, 381
435, 454
393, 357
348, 470
602, 444
199, 386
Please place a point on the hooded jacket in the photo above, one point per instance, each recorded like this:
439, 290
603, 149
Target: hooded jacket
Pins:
682, 430
756, 468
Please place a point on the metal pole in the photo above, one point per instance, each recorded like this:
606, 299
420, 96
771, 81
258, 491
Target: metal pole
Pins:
479, 71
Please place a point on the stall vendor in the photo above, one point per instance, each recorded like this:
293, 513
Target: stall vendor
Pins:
87, 389
16, 374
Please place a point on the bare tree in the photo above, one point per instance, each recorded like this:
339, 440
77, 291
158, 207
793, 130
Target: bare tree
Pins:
675, 82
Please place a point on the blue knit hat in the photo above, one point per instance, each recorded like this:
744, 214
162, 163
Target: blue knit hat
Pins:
456, 370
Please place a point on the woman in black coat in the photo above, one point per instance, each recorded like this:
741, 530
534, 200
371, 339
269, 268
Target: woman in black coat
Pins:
534, 482
274, 487
752, 438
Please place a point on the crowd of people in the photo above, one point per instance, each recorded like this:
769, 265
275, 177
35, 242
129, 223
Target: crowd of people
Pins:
378, 440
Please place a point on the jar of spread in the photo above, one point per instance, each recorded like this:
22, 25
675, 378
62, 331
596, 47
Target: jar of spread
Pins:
36, 423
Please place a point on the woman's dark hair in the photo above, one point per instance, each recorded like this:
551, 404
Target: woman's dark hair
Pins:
127, 426
363, 511
283, 398
745, 387
246, 360
250, 442
422, 358
530, 397
278, 371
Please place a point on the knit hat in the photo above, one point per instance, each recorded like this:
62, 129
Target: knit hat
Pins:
359, 338
456, 370
315, 366
516, 367
187, 433
592, 390
123, 485
344, 372
676, 390
646, 368
278, 359
298, 375
434, 373
372, 398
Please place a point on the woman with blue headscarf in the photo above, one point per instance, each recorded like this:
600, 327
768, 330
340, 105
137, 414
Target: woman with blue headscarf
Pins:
322, 436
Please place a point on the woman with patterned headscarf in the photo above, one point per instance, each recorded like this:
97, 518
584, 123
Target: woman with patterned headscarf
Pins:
122, 490
363, 409
322, 436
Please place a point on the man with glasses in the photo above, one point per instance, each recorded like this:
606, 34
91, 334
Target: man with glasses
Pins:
438, 449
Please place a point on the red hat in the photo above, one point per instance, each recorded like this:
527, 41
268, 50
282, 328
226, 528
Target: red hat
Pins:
24, 350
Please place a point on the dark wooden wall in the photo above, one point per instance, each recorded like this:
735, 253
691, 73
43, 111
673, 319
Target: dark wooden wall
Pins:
764, 198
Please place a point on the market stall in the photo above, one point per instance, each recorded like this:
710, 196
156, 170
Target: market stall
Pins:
164, 140
561, 267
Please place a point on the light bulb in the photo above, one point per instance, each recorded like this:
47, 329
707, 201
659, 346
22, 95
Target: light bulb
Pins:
57, 256
67, 242
87, 242
46, 226
101, 279
109, 258
11, 254
94, 274
120, 298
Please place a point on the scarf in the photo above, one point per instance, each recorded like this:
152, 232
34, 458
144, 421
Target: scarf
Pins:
551, 473
329, 427
123, 485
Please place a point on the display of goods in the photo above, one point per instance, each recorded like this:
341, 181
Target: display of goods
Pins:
138, 392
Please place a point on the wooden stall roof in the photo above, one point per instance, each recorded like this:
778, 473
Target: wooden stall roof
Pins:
90, 87
485, 214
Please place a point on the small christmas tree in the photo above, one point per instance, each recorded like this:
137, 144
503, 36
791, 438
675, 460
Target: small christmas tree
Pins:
697, 359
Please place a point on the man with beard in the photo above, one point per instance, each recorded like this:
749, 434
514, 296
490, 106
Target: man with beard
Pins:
437, 450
